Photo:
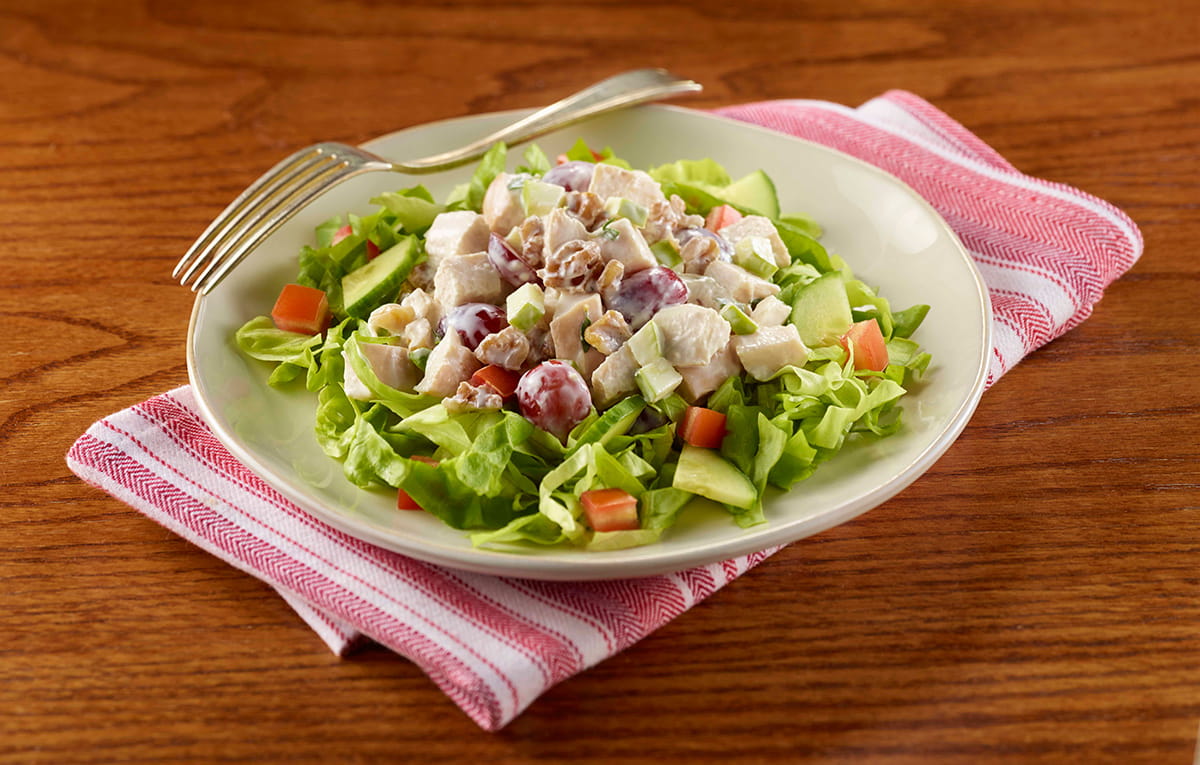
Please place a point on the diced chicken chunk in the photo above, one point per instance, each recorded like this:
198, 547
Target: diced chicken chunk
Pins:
615, 376
502, 208
702, 380
418, 334
691, 334
507, 348
455, 233
620, 241
771, 312
705, 291
566, 330
422, 304
743, 286
607, 333
466, 279
765, 352
449, 363
559, 301
389, 363
757, 225
634, 185
562, 227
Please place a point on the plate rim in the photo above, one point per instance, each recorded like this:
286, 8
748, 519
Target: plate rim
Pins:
598, 566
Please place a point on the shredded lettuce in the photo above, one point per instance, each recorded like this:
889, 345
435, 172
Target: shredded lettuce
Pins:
414, 209
536, 161
581, 152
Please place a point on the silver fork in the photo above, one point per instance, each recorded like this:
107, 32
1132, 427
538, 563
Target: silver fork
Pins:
280, 193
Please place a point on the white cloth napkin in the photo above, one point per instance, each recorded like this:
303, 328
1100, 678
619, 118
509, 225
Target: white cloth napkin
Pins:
495, 644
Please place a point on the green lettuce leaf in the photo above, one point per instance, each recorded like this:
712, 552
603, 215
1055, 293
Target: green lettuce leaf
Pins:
621, 540
482, 466
370, 459
536, 161
581, 152
661, 507
413, 209
439, 491
260, 339
906, 322
336, 416
534, 527
702, 173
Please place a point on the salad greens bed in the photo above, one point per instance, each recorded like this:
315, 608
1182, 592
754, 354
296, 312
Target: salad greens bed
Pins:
504, 480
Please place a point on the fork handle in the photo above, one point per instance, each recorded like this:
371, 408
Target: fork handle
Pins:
634, 87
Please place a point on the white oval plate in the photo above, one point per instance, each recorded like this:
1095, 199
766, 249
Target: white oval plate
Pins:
888, 234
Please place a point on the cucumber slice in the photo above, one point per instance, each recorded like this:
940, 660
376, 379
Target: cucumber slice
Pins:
379, 280
615, 422
705, 472
755, 191
821, 310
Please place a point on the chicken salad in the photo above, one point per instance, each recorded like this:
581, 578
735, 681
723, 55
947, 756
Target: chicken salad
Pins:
571, 352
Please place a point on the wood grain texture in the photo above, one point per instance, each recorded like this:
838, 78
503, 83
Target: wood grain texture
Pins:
1032, 599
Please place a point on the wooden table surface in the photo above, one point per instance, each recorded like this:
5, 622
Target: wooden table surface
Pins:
1033, 598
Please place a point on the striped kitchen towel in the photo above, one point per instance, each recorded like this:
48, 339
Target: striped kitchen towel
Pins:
495, 644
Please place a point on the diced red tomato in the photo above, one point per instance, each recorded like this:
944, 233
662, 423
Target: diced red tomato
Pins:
403, 500
721, 216
869, 347
503, 381
610, 509
372, 250
301, 309
702, 427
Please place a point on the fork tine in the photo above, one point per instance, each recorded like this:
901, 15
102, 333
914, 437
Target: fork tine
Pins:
236, 250
253, 211
270, 180
251, 219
